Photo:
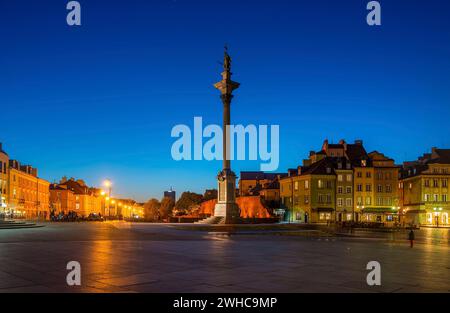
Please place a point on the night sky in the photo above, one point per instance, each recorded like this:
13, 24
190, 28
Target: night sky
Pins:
99, 101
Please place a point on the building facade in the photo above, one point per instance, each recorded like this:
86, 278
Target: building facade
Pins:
342, 183
4, 174
28, 194
81, 199
423, 189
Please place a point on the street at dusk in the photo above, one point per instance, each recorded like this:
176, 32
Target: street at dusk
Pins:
123, 257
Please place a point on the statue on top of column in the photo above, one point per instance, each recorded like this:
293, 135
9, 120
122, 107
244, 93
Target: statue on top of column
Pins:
227, 60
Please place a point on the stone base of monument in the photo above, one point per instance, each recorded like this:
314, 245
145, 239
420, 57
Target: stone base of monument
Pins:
229, 211
10, 224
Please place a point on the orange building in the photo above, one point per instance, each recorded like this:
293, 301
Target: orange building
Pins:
62, 199
28, 194
85, 200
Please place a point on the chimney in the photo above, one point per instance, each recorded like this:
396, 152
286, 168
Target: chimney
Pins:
299, 170
358, 142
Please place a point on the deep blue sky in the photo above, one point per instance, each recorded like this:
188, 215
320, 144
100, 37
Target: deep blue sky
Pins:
100, 100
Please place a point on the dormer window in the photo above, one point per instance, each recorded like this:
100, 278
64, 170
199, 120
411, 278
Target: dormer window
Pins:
328, 170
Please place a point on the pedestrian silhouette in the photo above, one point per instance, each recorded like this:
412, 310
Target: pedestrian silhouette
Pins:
411, 237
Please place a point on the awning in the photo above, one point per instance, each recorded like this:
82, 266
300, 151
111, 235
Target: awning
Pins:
380, 210
323, 209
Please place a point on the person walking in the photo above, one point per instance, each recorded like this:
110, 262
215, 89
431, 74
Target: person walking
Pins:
411, 237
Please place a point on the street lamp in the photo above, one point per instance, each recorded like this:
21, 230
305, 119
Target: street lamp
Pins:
107, 183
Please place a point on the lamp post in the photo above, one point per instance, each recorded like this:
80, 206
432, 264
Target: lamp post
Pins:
107, 183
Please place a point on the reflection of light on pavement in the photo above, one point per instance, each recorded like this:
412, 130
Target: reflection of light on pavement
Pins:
120, 224
434, 235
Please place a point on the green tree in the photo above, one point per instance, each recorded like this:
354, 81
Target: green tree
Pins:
166, 207
187, 200
210, 194
151, 210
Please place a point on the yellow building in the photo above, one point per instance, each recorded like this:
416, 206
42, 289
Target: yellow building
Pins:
424, 192
28, 194
309, 193
4, 168
376, 189
344, 191
342, 183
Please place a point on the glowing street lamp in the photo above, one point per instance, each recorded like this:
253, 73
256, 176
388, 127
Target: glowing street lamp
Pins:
107, 183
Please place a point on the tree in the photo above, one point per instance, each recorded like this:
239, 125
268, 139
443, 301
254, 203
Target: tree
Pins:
151, 209
166, 207
210, 194
187, 200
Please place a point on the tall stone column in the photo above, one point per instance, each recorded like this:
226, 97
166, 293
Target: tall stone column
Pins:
226, 203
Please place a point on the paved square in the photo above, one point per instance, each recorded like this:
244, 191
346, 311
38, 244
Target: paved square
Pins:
122, 257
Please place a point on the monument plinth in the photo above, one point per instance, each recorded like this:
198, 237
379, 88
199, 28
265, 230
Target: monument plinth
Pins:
226, 206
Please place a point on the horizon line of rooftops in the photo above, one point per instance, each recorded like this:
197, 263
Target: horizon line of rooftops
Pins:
341, 155
346, 156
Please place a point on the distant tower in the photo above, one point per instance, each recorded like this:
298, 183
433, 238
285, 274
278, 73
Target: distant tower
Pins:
226, 203
170, 194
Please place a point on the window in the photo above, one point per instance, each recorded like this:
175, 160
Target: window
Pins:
348, 202
306, 184
444, 198
388, 188
329, 184
359, 201
368, 174
348, 189
363, 163
380, 176
359, 187
306, 199
427, 197
340, 177
340, 189
324, 216
436, 198
368, 201
321, 199
320, 184
444, 183
380, 188
379, 201
296, 185
359, 174
340, 202
328, 170
427, 183
349, 177
368, 187
435, 183
328, 198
